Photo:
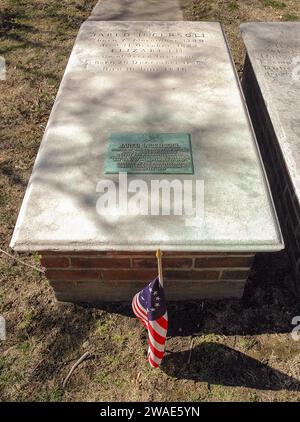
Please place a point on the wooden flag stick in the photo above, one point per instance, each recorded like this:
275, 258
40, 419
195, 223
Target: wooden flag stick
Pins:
159, 265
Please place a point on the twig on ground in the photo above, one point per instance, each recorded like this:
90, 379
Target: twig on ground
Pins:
138, 378
41, 270
191, 349
83, 357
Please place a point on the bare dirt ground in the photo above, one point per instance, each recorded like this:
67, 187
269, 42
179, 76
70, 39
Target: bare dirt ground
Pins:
242, 350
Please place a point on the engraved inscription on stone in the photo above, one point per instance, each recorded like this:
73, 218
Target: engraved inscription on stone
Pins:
273, 51
168, 153
278, 58
145, 51
278, 61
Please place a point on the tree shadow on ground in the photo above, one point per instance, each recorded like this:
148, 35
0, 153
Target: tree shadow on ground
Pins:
17, 26
7, 170
64, 328
220, 365
8, 22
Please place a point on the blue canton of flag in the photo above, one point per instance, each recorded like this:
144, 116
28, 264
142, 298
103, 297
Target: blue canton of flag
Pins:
149, 305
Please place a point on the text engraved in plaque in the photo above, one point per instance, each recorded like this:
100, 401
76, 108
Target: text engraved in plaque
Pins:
165, 153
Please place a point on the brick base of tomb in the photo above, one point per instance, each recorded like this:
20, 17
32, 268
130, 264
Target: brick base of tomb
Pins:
116, 276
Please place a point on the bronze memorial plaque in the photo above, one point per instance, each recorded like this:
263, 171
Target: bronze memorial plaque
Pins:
164, 153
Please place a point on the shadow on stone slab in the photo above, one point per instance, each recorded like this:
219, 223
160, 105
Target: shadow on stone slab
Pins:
220, 365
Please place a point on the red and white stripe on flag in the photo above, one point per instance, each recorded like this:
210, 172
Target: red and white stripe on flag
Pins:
157, 332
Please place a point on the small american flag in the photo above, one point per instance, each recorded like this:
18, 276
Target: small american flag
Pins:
149, 305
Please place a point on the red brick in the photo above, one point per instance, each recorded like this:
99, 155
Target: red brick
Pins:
100, 262
88, 254
60, 286
235, 275
205, 254
131, 253
73, 253
132, 275
69, 275
55, 262
233, 262
181, 263
170, 275
167, 263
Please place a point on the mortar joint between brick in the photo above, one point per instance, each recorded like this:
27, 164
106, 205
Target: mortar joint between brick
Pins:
223, 268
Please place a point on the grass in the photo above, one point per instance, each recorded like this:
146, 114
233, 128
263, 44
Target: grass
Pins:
53, 394
24, 347
290, 17
231, 13
102, 327
26, 320
242, 349
233, 5
274, 3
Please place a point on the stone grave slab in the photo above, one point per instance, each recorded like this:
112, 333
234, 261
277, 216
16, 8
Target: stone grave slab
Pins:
142, 78
272, 88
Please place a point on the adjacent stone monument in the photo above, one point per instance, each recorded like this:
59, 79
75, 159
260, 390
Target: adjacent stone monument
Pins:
272, 88
159, 102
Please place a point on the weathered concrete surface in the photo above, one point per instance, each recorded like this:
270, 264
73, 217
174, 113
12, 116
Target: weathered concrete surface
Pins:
148, 77
137, 10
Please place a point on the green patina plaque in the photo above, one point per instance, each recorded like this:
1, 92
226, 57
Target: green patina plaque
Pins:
164, 153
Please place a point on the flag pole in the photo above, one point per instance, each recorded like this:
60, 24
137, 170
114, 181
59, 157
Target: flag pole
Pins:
159, 265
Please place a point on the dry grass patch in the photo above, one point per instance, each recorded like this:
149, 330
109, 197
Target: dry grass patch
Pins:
231, 13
